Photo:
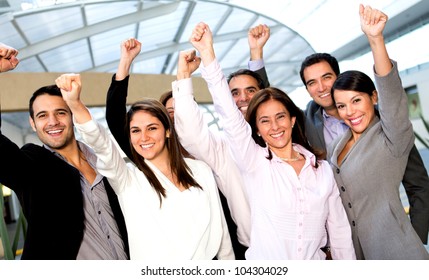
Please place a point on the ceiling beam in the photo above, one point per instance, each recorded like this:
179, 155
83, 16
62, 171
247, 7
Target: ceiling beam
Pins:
399, 25
175, 47
97, 28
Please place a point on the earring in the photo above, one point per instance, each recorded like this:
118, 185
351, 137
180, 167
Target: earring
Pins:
258, 134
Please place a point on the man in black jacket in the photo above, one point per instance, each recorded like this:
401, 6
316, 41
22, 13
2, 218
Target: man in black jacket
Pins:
71, 210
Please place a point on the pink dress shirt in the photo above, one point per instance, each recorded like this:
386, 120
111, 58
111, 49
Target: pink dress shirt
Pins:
292, 216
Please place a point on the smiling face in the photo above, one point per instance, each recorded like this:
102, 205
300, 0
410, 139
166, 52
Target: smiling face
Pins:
52, 121
319, 79
243, 87
148, 136
274, 124
356, 109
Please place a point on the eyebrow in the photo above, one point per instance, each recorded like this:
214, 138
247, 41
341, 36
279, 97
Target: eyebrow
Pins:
324, 75
249, 87
279, 113
149, 125
45, 111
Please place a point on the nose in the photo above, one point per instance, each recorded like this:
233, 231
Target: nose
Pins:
349, 110
321, 86
52, 119
144, 136
274, 125
243, 95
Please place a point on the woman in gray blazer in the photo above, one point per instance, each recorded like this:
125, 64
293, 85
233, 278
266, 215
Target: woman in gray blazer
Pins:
369, 160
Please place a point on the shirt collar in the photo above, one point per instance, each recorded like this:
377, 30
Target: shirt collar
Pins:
90, 156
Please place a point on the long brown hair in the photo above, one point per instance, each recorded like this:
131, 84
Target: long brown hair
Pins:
177, 162
298, 130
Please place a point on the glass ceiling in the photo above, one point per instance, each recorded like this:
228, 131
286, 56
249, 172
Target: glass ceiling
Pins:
84, 36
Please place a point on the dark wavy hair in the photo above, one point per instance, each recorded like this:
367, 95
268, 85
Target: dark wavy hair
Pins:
298, 130
177, 162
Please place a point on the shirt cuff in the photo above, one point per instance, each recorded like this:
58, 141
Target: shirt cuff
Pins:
255, 65
88, 126
182, 87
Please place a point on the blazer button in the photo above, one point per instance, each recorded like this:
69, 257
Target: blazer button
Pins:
338, 171
343, 188
353, 223
350, 205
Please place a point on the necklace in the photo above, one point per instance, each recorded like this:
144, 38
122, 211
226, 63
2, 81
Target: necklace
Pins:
291, 159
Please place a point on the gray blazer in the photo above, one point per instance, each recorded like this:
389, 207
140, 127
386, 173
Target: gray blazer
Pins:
415, 178
370, 174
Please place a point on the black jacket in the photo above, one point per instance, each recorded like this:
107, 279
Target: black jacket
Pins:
50, 194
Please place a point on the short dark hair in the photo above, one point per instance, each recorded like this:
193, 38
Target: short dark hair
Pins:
165, 97
247, 72
50, 90
317, 58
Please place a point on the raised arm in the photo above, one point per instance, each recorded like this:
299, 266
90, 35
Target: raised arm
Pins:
109, 160
193, 132
8, 58
238, 131
372, 23
392, 99
117, 94
257, 38
71, 86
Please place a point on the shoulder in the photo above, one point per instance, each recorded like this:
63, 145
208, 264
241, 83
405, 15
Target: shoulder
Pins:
325, 166
201, 171
197, 165
33, 149
312, 111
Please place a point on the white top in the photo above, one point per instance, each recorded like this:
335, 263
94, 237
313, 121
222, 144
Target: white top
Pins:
213, 149
291, 215
189, 224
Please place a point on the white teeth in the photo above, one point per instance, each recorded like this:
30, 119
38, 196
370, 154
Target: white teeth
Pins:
147, 146
277, 135
356, 121
54, 131
324, 95
244, 108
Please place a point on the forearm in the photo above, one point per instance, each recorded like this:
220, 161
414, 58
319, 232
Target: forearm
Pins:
382, 63
393, 108
116, 112
80, 112
109, 160
193, 132
236, 128
256, 53
123, 68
